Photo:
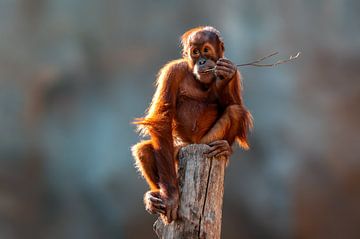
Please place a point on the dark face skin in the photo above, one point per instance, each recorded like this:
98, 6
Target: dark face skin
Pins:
205, 50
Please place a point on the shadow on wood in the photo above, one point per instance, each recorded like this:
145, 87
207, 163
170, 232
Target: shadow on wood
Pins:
201, 182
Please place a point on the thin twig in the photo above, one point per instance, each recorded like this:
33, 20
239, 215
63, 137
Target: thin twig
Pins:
256, 62
259, 60
291, 58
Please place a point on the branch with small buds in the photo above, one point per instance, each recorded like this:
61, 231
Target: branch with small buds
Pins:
258, 64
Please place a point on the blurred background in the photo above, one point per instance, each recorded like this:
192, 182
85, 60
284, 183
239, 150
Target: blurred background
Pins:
74, 73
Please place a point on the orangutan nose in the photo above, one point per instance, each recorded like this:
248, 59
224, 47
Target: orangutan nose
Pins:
202, 61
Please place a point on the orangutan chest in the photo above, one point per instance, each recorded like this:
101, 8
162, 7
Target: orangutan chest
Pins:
195, 117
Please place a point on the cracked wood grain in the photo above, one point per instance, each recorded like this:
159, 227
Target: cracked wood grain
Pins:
201, 183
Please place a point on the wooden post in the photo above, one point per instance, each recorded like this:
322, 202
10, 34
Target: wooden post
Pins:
201, 182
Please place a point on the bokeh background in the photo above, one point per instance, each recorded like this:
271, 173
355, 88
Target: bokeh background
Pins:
74, 73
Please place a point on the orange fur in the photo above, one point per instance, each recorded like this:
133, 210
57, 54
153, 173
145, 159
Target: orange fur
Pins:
188, 110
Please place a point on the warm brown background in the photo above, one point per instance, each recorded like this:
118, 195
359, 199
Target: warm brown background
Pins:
73, 74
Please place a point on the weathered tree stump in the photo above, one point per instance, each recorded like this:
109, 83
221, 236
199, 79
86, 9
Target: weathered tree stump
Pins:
201, 182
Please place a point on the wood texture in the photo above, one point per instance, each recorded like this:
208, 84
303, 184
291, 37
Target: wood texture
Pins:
201, 182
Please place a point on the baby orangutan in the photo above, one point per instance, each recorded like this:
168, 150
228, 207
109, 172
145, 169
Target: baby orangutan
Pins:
191, 105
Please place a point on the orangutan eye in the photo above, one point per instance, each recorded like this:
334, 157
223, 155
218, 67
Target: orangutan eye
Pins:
196, 51
206, 50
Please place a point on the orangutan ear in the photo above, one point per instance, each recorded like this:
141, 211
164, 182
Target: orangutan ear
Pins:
222, 49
